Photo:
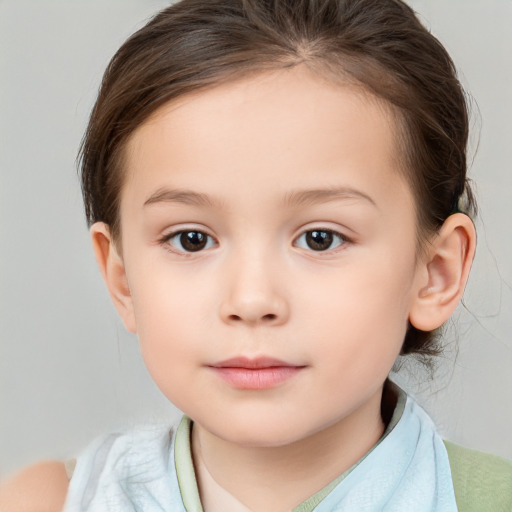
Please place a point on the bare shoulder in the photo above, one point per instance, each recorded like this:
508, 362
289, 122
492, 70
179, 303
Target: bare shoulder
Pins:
38, 488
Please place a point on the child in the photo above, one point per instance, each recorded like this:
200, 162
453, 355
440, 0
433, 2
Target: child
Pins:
278, 204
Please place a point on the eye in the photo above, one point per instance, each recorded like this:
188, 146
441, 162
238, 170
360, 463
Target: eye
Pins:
320, 240
190, 241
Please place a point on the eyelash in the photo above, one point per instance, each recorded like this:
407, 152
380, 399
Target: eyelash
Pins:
342, 240
167, 240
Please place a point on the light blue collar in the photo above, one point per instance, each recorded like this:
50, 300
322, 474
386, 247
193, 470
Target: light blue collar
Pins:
407, 454
150, 469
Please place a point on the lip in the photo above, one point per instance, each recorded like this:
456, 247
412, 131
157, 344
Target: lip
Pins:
255, 373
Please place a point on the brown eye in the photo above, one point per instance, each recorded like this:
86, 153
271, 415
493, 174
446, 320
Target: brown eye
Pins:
190, 241
320, 240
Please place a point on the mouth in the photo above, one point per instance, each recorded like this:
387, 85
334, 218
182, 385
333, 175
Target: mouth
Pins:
255, 373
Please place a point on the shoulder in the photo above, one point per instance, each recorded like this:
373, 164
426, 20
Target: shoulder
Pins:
481, 481
39, 488
118, 459
119, 469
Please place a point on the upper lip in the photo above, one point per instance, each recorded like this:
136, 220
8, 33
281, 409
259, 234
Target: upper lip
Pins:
253, 363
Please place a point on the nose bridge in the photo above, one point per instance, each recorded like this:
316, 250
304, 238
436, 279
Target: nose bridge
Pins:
253, 286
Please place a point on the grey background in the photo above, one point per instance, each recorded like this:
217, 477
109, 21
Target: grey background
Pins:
68, 370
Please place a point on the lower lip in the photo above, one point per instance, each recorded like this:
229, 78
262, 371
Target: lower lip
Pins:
257, 378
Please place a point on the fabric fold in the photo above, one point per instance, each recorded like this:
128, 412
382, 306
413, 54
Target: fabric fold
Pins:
136, 471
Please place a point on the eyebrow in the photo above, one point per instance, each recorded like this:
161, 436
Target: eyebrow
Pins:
324, 195
293, 198
181, 196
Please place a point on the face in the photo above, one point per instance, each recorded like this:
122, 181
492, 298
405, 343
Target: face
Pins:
268, 241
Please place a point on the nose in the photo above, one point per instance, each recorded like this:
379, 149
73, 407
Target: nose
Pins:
253, 294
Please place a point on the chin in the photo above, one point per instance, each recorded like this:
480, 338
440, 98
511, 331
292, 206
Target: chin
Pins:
263, 438
259, 432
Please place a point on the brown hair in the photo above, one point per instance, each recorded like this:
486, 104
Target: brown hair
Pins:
377, 44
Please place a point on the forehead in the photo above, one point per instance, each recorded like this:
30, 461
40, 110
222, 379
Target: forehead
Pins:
291, 126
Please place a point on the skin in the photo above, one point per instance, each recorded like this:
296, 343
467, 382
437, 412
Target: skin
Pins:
255, 149
39, 488
257, 289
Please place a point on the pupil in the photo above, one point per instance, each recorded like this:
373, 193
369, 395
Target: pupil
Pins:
319, 240
193, 240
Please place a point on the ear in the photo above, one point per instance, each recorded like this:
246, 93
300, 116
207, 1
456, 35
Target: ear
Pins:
443, 273
113, 270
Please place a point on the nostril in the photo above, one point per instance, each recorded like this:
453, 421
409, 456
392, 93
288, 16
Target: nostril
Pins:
270, 317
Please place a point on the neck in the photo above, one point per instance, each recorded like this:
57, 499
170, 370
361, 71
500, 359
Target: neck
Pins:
291, 473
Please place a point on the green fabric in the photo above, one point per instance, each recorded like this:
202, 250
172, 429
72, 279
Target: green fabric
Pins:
185, 467
316, 499
482, 482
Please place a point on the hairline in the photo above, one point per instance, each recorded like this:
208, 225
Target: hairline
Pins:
321, 69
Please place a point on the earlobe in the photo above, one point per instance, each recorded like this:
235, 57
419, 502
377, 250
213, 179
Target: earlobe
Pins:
113, 270
443, 273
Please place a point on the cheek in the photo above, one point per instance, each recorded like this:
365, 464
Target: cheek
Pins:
363, 313
170, 316
168, 313
168, 327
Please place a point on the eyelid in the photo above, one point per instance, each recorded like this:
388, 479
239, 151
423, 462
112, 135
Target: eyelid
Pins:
336, 232
165, 240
